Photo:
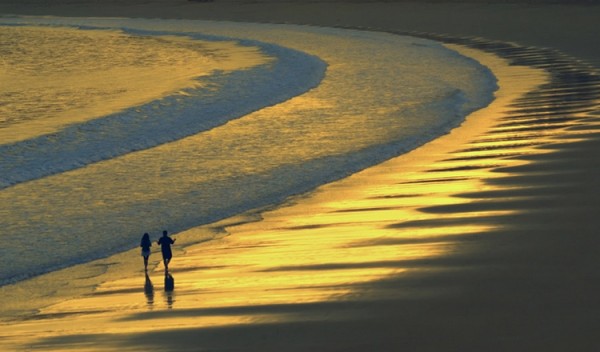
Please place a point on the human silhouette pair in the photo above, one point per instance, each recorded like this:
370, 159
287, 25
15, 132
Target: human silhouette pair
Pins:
164, 242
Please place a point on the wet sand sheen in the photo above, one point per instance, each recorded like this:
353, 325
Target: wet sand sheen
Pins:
227, 169
440, 241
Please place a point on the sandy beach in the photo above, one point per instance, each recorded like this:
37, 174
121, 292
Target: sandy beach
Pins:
483, 239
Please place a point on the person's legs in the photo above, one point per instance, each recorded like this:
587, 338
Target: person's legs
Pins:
166, 260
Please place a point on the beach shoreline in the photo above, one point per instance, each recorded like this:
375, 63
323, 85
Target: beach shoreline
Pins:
489, 255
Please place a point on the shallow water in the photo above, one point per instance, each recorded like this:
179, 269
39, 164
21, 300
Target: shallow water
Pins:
381, 95
56, 76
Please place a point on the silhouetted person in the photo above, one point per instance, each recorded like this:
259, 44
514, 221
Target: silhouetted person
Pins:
165, 243
145, 244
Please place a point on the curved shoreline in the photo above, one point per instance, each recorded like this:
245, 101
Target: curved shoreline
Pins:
119, 266
323, 135
478, 227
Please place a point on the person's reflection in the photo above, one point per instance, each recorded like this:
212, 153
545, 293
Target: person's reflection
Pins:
149, 291
169, 289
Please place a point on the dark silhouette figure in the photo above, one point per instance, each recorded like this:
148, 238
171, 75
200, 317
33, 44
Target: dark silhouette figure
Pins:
145, 244
165, 243
149, 291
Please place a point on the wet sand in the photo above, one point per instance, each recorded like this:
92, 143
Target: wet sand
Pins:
483, 239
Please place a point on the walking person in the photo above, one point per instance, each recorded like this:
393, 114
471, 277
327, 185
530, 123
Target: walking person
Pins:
165, 243
145, 243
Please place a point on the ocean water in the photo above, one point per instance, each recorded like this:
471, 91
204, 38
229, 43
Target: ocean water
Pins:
115, 127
